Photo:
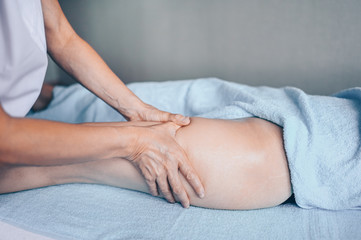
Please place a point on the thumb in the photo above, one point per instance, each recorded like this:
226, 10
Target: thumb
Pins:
157, 115
179, 119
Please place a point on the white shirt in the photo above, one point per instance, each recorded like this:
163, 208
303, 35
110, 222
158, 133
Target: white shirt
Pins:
23, 57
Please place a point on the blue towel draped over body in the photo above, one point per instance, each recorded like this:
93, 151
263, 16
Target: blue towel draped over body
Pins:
321, 133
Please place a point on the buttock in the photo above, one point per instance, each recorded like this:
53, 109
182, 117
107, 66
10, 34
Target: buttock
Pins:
241, 162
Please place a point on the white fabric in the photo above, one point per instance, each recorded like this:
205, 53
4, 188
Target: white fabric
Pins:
23, 57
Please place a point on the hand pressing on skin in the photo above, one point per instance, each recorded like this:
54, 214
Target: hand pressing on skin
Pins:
146, 112
157, 155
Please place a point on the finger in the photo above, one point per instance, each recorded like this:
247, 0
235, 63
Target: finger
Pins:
154, 114
164, 189
179, 119
178, 189
152, 188
150, 180
192, 178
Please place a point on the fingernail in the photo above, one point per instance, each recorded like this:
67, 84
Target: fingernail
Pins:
185, 120
181, 118
201, 194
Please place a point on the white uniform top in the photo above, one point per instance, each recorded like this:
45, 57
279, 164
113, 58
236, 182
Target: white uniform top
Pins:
23, 57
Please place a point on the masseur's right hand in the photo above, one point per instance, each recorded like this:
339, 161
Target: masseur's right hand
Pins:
160, 159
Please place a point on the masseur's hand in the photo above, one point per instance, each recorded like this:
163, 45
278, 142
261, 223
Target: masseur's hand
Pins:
160, 159
147, 112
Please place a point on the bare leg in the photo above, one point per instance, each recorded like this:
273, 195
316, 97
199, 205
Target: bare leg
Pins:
242, 165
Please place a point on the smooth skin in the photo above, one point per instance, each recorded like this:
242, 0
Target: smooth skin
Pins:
242, 165
152, 149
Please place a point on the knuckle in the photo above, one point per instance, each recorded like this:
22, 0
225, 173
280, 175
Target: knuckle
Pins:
177, 190
161, 173
190, 176
149, 178
170, 166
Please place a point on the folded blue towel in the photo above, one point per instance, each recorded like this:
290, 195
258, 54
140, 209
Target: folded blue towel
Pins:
321, 133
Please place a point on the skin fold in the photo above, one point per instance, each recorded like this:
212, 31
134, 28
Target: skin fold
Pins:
241, 163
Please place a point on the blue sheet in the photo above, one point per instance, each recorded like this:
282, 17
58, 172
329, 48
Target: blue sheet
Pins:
322, 142
94, 212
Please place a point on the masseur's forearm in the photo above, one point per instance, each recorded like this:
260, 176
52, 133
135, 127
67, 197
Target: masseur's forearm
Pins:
41, 142
80, 60
95, 75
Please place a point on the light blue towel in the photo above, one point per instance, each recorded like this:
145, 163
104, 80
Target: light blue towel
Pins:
321, 133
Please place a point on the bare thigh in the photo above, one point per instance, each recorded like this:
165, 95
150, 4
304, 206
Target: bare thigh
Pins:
242, 164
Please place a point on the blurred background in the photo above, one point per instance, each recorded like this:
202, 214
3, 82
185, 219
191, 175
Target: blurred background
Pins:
311, 44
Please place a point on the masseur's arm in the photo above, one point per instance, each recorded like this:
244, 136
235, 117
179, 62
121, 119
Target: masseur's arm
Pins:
80, 60
35, 143
39, 142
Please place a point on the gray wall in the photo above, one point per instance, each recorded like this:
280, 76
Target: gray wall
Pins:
311, 44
